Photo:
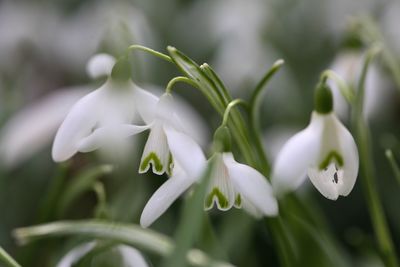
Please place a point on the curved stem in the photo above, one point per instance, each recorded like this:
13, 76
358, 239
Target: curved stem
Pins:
373, 200
254, 115
175, 80
345, 90
7, 260
150, 51
231, 105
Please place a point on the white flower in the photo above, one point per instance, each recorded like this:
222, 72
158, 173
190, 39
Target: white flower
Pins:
157, 150
129, 256
326, 151
348, 65
231, 183
103, 118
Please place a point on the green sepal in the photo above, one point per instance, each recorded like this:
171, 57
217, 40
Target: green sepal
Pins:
121, 71
332, 156
222, 140
323, 99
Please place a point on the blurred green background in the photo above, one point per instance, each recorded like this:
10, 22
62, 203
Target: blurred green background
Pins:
44, 46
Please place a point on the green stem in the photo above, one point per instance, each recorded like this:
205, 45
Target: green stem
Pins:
228, 109
373, 200
345, 90
132, 235
150, 51
7, 260
175, 80
393, 164
255, 101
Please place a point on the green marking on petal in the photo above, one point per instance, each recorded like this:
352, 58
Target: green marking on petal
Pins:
170, 164
222, 200
154, 160
238, 201
333, 155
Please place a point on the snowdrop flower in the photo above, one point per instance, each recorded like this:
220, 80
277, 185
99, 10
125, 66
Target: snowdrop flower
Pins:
325, 151
231, 183
103, 118
129, 256
348, 65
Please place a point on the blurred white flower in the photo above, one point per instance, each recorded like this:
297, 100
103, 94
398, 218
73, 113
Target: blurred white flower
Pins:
390, 25
102, 118
348, 66
231, 183
326, 151
130, 257
33, 127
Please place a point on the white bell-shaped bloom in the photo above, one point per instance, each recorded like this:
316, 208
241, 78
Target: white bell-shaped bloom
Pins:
103, 118
231, 183
157, 149
129, 256
325, 151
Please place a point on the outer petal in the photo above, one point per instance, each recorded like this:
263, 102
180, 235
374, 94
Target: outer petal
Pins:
348, 149
76, 254
252, 185
297, 154
186, 152
131, 257
100, 65
79, 123
164, 197
104, 135
146, 104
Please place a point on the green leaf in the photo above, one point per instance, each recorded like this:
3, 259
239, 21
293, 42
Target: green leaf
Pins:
6, 260
129, 234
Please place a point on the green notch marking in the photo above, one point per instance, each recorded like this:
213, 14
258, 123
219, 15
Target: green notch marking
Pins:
222, 200
170, 165
238, 201
151, 158
333, 155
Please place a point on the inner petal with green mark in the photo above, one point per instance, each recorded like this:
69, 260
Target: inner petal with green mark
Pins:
332, 157
221, 190
156, 152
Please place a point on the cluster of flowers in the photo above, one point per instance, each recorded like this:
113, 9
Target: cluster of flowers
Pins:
325, 150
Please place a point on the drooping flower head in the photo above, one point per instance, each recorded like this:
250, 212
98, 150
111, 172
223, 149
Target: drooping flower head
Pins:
325, 151
231, 184
104, 117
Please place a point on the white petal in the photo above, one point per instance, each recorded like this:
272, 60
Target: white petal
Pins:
251, 209
131, 257
186, 152
220, 190
100, 65
146, 104
76, 254
349, 152
34, 127
156, 152
252, 185
164, 197
79, 123
105, 135
327, 181
296, 156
